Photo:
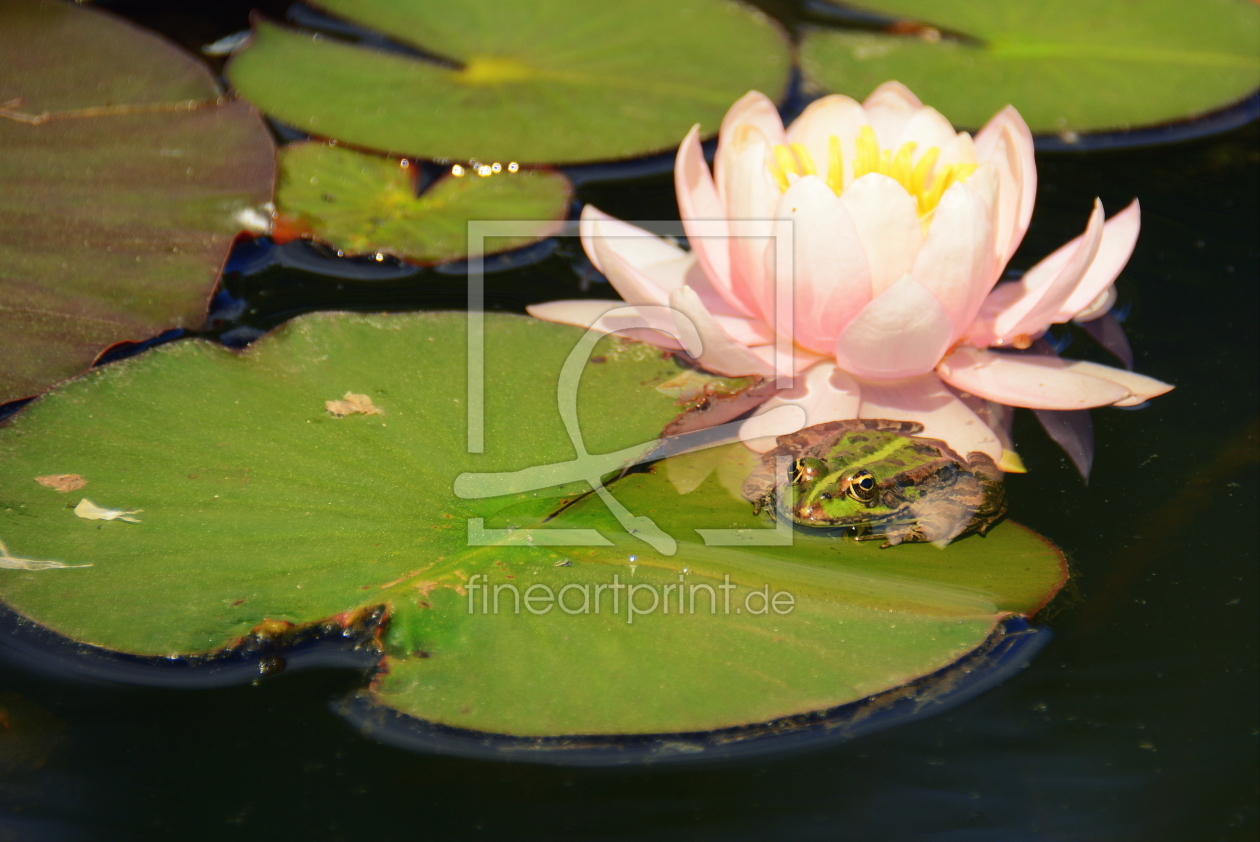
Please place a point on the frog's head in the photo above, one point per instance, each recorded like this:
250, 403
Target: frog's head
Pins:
861, 481
854, 496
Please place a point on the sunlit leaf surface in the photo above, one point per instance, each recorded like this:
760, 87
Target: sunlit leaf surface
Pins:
1070, 66
363, 203
122, 178
562, 81
311, 479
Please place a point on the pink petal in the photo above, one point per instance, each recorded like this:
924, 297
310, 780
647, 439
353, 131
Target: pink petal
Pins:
790, 360
750, 211
1007, 142
719, 352
956, 261
1034, 382
590, 313
649, 284
902, 333
926, 400
832, 115
1074, 432
824, 393
753, 109
698, 200
1140, 387
887, 221
744, 331
1119, 236
889, 109
818, 252
1048, 284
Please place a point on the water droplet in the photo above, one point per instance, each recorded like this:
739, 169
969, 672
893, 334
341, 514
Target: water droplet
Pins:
496, 167
457, 171
484, 171
513, 167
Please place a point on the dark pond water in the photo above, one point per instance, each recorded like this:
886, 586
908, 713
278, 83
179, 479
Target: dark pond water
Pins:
1138, 721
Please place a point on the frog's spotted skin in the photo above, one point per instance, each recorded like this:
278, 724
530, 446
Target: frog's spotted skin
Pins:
880, 479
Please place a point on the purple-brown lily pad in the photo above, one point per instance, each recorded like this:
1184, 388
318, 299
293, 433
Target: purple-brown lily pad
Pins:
125, 175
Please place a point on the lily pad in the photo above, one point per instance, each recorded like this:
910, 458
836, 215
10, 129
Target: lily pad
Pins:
262, 512
563, 81
1072, 66
123, 176
363, 203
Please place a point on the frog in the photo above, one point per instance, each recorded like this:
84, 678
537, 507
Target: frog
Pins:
878, 478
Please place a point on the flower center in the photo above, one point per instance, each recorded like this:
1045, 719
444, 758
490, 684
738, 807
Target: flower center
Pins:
923, 179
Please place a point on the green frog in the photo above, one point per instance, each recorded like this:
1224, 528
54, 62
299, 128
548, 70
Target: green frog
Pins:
880, 479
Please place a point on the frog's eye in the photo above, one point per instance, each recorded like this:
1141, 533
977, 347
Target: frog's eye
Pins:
805, 470
861, 486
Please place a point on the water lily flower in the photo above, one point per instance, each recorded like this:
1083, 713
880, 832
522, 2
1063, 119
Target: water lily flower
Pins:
892, 230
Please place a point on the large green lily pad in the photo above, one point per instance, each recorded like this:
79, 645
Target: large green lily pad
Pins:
122, 180
260, 508
563, 81
1070, 66
363, 203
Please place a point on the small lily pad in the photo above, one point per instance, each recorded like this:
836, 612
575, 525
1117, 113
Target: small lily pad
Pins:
564, 81
363, 203
1069, 66
265, 515
123, 180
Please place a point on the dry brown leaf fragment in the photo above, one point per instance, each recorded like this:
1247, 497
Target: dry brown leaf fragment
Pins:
352, 404
62, 482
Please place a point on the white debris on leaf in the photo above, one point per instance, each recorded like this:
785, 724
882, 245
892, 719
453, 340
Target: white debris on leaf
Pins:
255, 220
351, 404
62, 482
90, 511
10, 562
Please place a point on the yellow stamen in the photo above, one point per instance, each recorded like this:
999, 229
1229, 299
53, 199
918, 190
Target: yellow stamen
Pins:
835, 165
922, 179
900, 168
918, 181
867, 153
805, 160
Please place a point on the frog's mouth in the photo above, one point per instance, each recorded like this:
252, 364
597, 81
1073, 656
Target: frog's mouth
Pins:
869, 523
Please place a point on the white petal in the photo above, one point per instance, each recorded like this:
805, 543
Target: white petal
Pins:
825, 265
889, 109
927, 400
832, 115
956, 261
902, 333
823, 393
887, 220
